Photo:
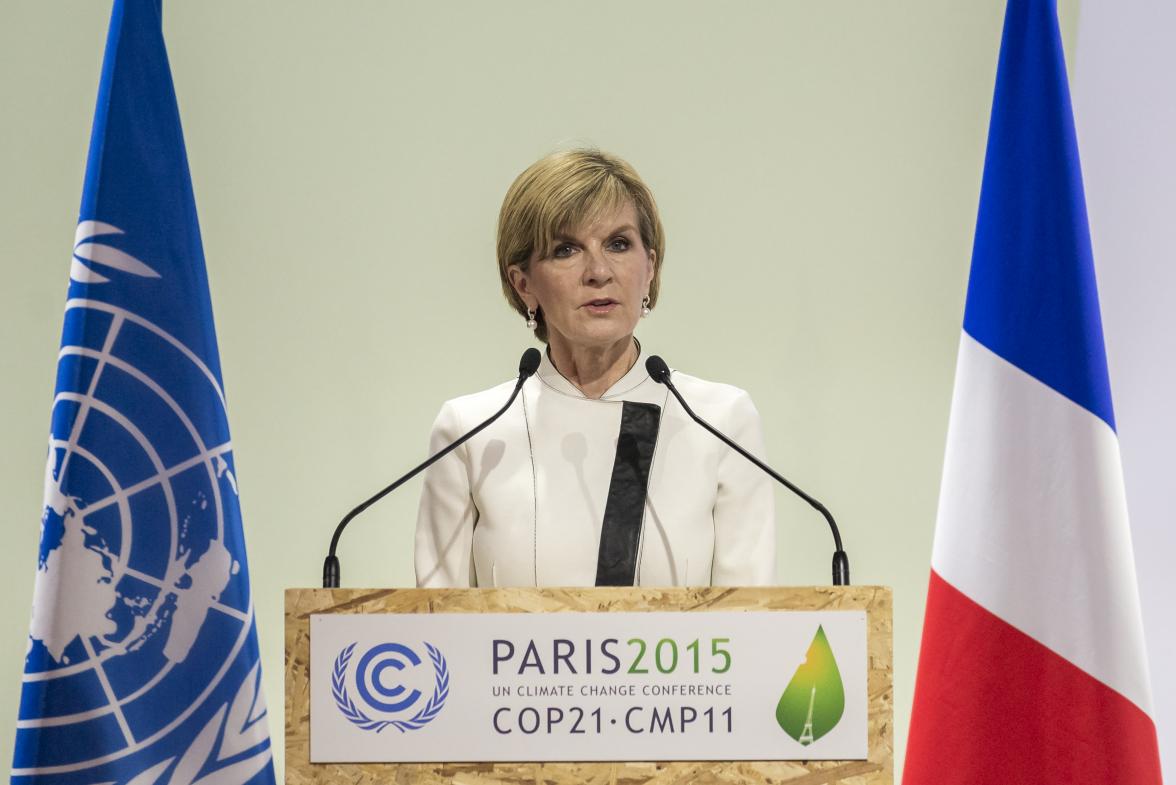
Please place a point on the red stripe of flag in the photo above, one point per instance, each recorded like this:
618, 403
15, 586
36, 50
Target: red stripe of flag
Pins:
992, 705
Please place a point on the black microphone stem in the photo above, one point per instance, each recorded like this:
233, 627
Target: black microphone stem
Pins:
331, 563
840, 558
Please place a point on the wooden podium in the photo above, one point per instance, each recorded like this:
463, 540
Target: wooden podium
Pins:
875, 601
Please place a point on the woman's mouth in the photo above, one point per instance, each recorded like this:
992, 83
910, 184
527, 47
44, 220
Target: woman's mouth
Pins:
601, 306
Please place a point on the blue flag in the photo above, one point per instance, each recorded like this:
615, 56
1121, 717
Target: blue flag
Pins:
142, 660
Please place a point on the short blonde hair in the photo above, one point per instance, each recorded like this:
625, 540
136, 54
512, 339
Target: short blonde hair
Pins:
564, 191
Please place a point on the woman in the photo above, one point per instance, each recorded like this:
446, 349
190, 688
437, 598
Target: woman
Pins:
597, 476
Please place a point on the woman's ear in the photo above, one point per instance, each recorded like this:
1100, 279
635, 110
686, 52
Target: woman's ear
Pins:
652, 256
522, 286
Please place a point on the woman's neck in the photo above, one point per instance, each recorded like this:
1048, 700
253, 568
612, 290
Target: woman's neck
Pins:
593, 369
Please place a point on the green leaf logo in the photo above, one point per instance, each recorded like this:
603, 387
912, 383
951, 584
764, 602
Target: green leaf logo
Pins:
814, 700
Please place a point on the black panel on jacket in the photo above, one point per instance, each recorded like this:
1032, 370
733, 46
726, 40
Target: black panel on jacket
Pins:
624, 511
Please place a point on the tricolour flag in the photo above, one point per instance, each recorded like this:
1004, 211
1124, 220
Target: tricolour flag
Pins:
142, 663
1032, 668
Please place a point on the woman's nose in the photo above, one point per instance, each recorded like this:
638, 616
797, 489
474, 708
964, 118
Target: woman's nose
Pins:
597, 269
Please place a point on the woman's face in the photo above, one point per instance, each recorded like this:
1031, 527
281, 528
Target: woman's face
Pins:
590, 282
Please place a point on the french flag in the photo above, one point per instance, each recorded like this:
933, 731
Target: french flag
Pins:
1032, 667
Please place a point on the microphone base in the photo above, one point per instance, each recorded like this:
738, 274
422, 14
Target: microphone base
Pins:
840, 568
331, 572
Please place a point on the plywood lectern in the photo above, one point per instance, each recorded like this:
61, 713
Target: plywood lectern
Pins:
600, 685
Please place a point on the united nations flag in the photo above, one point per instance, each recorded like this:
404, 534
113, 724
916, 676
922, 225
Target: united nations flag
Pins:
142, 662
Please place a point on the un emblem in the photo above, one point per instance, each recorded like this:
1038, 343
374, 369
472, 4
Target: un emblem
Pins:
141, 610
384, 694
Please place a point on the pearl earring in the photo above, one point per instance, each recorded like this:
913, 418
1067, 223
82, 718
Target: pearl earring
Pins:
645, 311
531, 323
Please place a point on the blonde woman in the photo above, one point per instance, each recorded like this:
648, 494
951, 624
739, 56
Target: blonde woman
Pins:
596, 476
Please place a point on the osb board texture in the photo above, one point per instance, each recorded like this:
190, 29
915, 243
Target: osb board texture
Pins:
876, 601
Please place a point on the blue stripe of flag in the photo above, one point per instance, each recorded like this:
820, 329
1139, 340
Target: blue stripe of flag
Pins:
1032, 297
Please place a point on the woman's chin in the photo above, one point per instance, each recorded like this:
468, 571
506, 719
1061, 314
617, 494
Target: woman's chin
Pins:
599, 335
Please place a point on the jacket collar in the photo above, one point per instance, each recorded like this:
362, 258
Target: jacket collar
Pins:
550, 376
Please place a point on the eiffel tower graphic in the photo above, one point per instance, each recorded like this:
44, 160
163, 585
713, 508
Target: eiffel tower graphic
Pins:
806, 735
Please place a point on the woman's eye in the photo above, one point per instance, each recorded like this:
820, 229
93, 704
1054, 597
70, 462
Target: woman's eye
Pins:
620, 244
562, 251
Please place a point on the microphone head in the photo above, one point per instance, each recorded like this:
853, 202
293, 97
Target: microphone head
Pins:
529, 363
658, 370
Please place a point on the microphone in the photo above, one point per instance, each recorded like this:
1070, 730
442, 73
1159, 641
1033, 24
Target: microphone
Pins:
660, 373
528, 364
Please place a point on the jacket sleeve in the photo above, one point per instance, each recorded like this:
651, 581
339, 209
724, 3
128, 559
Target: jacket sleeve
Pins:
744, 514
447, 514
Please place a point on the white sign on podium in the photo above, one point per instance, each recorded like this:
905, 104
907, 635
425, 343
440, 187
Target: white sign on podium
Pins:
723, 685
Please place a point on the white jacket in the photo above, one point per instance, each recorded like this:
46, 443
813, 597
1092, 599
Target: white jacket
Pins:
524, 502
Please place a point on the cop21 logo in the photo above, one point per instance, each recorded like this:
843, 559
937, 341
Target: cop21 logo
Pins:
814, 700
385, 700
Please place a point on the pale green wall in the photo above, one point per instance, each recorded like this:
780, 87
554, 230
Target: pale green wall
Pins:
817, 164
